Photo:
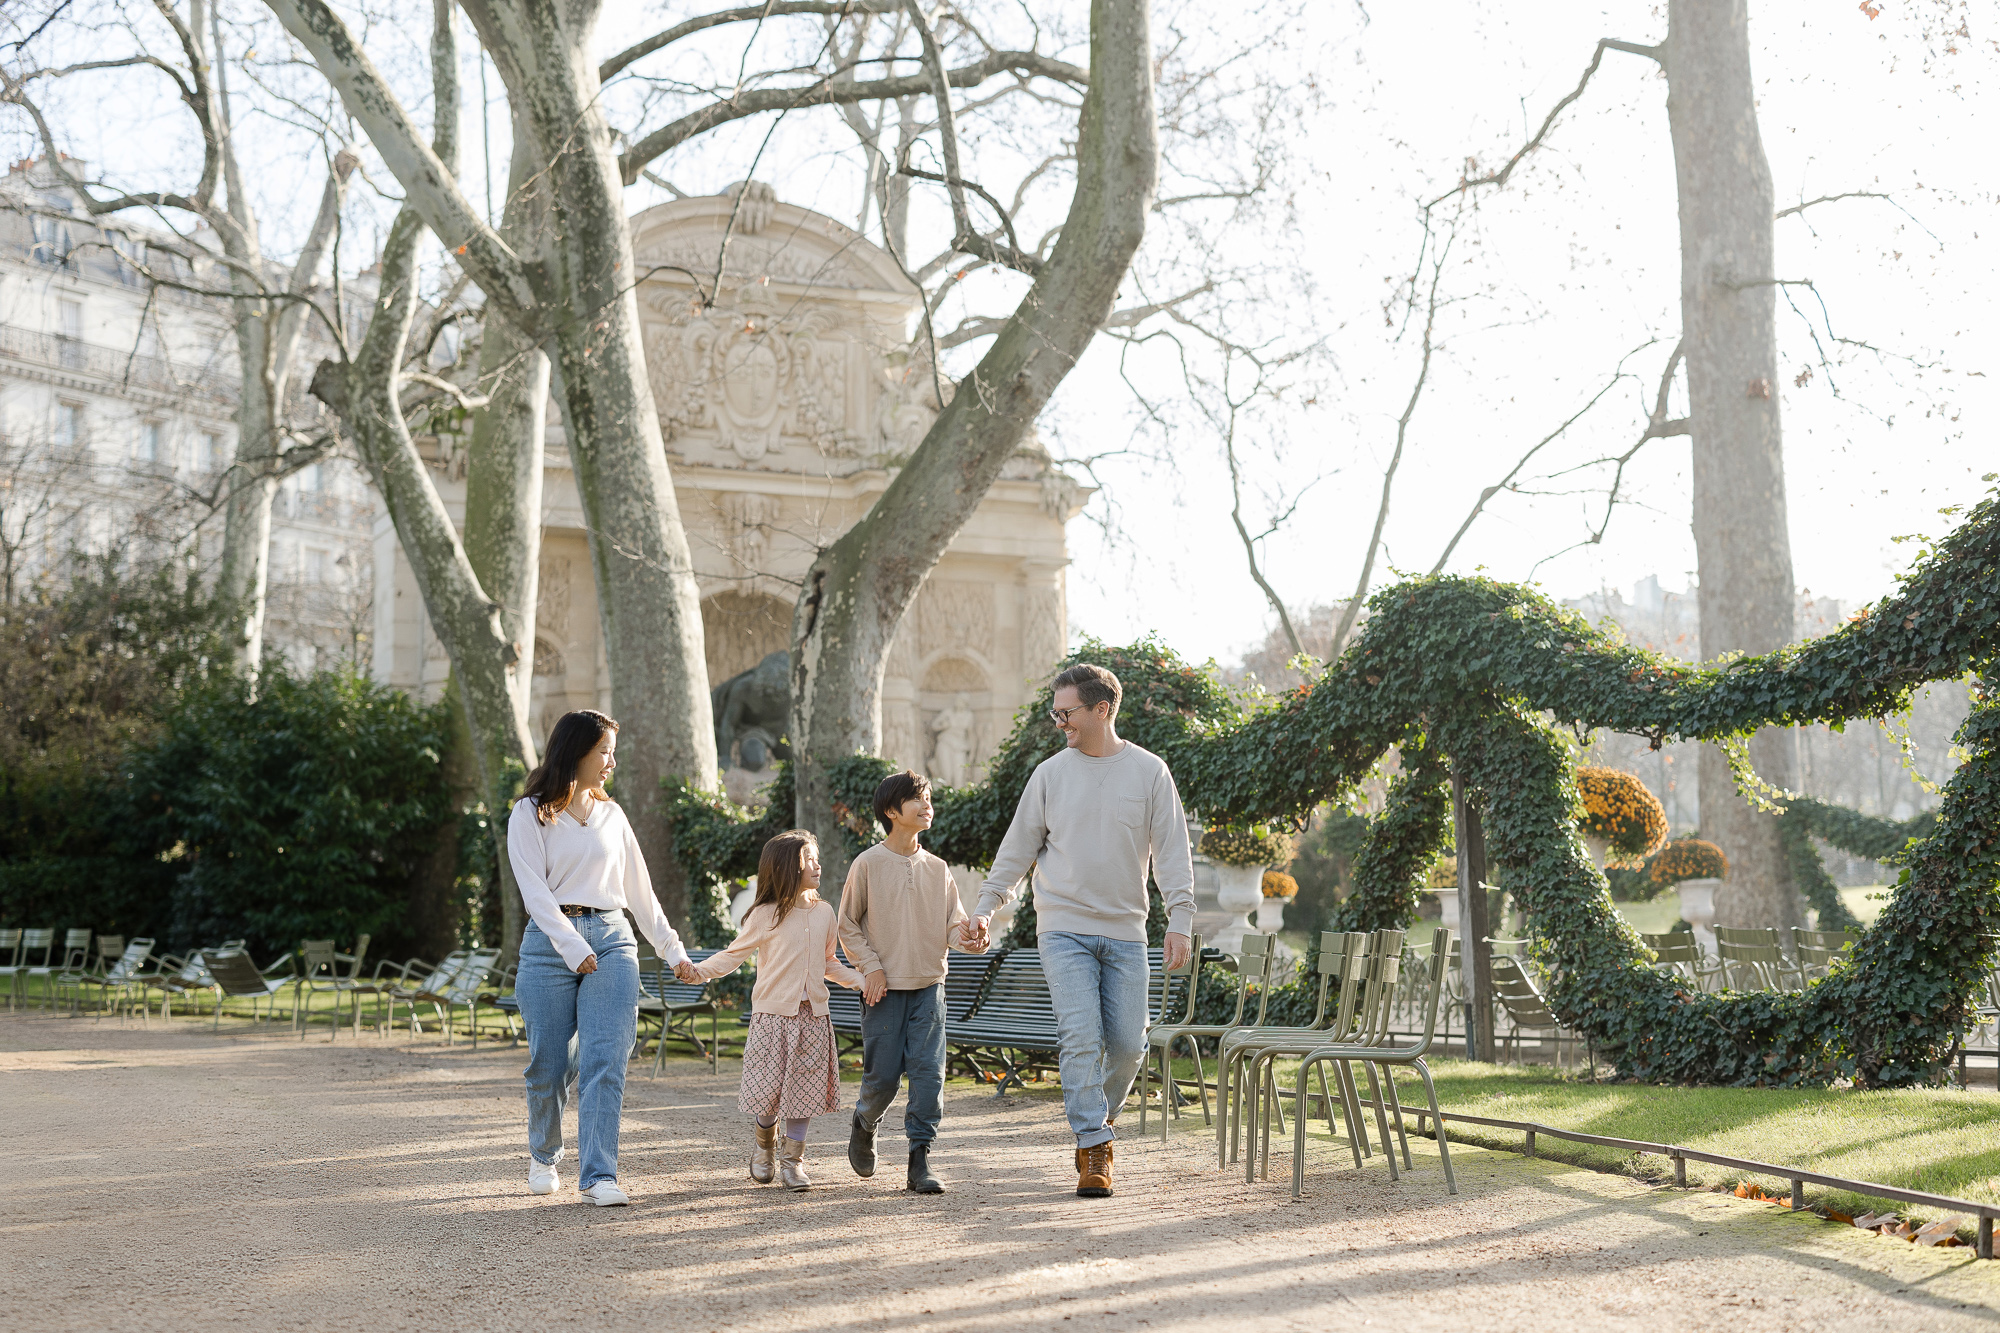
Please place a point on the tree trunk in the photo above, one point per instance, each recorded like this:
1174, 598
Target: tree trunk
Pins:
503, 531
267, 341
1728, 312
648, 603
856, 593
485, 659
574, 296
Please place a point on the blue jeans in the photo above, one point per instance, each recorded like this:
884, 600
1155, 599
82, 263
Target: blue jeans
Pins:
904, 1034
1098, 988
583, 1025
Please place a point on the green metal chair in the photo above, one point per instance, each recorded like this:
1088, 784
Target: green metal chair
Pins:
1679, 954
1815, 950
1252, 968
1754, 959
1372, 1054
1246, 1081
1521, 1001
75, 964
320, 973
126, 977
11, 950
237, 976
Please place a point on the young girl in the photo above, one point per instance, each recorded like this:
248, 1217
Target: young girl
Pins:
790, 1069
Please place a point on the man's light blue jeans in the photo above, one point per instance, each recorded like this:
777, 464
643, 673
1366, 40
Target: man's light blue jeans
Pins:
1098, 988
581, 1025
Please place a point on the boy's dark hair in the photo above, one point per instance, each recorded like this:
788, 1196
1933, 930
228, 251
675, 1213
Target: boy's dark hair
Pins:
895, 790
1094, 685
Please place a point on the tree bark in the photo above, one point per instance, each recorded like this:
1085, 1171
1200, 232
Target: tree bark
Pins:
503, 532
486, 661
482, 636
1729, 311
858, 590
571, 292
649, 605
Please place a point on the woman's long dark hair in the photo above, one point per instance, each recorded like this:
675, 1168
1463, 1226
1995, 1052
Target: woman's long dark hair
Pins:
781, 871
553, 783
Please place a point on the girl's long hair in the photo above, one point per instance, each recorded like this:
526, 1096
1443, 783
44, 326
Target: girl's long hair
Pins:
552, 786
781, 871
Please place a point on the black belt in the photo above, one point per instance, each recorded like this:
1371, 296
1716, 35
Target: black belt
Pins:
571, 909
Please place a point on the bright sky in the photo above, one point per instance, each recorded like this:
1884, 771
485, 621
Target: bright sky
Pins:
1550, 286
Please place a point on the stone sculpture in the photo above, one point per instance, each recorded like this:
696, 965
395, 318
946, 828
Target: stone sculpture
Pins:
751, 710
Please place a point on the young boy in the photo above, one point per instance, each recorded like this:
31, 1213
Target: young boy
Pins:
899, 917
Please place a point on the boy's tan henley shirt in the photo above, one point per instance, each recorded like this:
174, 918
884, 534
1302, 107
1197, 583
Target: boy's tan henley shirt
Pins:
897, 916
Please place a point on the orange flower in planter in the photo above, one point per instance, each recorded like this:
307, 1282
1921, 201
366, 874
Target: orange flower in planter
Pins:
1618, 808
1688, 858
1277, 884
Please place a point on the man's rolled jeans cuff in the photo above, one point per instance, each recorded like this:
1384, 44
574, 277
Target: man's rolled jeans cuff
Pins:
1091, 1141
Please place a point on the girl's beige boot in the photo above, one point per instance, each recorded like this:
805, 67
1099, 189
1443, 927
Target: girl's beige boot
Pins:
792, 1164
761, 1168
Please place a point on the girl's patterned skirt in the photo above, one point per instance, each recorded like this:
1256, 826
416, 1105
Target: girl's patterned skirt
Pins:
790, 1069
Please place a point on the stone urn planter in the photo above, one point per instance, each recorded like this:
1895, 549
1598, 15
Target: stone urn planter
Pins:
1448, 913
1600, 849
1698, 909
1239, 891
1271, 912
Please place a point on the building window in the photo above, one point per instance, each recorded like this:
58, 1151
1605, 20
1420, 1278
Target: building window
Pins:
69, 425
69, 334
150, 447
213, 458
314, 565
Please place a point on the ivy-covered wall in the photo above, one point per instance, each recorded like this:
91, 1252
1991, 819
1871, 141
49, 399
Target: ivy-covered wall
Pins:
1477, 677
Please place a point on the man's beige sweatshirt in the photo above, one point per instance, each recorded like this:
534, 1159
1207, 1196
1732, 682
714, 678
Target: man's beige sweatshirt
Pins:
897, 916
1090, 828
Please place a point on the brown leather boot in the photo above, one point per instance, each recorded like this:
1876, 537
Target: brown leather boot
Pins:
1093, 1172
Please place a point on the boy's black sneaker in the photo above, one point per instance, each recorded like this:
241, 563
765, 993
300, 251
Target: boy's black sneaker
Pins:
921, 1181
861, 1148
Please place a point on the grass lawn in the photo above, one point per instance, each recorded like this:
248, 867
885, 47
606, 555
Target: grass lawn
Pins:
1658, 915
1939, 1140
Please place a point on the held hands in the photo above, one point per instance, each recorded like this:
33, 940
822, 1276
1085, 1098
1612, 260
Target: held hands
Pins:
1175, 954
587, 966
874, 987
973, 936
685, 971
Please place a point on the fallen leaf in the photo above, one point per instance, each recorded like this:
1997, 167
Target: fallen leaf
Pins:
1941, 1232
1833, 1216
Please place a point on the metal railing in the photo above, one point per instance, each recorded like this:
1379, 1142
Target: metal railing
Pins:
1680, 1157
119, 367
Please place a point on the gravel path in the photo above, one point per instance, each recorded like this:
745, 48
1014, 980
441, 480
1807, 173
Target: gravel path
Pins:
163, 1177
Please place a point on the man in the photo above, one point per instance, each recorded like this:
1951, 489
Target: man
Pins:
1092, 818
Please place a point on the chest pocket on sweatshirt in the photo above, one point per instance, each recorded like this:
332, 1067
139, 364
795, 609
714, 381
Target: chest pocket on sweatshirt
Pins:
1130, 811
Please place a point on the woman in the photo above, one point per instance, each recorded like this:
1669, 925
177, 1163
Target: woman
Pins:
578, 865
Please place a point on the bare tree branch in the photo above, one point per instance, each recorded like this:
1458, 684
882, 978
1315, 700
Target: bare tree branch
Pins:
1829, 199
1652, 428
1353, 607
826, 91
702, 22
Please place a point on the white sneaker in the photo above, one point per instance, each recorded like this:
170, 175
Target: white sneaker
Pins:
542, 1179
606, 1194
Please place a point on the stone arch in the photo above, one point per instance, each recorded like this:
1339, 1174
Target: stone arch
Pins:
740, 629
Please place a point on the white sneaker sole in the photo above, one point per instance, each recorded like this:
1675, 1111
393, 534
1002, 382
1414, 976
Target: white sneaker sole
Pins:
549, 1186
606, 1196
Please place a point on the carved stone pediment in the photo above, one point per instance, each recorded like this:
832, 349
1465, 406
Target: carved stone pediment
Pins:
752, 377
776, 338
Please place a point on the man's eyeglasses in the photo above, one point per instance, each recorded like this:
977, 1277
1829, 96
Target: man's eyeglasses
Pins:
1060, 716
